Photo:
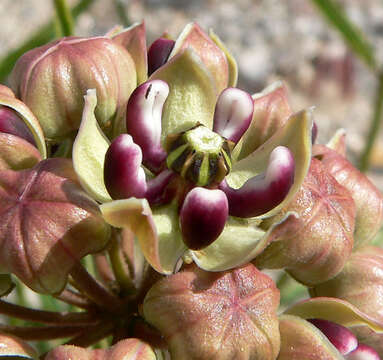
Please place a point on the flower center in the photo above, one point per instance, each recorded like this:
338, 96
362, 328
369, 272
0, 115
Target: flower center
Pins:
199, 155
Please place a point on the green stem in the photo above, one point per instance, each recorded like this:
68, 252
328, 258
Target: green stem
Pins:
374, 126
64, 16
73, 298
94, 290
41, 37
47, 317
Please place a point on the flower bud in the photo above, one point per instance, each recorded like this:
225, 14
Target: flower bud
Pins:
52, 80
359, 283
206, 315
314, 245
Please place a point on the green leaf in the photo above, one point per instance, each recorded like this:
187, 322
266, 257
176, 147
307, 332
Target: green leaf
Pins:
351, 34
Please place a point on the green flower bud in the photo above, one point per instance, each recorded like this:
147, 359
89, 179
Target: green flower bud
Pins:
52, 80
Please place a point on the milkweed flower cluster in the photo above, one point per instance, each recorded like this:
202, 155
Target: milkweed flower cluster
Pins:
183, 188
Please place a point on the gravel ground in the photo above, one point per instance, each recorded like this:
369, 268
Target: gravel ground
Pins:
270, 39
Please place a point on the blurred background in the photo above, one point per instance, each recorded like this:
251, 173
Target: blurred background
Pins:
290, 40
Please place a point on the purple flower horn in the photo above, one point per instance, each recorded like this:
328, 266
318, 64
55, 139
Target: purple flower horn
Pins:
143, 121
263, 192
233, 113
203, 217
123, 175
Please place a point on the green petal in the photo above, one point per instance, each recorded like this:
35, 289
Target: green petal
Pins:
296, 135
192, 95
28, 117
133, 39
232, 63
89, 150
239, 243
299, 337
335, 310
338, 142
158, 233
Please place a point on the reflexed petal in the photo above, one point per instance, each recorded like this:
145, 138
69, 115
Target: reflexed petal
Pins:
299, 338
232, 115
363, 352
11, 123
338, 142
143, 121
368, 199
192, 94
7, 99
133, 39
210, 54
271, 112
158, 53
89, 151
203, 216
239, 243
232, 63
225, 316
296, 136
360, 282
333, 309
262, 193
158, 234
123, 175
129, 349
341, 337
314, 246
17, 153
47, 221
12, 347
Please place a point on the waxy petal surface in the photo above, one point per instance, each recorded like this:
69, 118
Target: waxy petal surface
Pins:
369, 337
192, 95
17, 153
89, 151
129, 349
360, 282
47, 221
296, 136
225, 316
240, 242
271, 112
133, 39
232, 63
8, 99
335, 310
210, 54
302, 340
368, 199
158, 233
315, 245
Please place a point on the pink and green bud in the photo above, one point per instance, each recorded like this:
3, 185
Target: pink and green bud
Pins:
359, 283
128, 349
203, 216
158, 53
53, 79
312, 253
47, 221
265, 191
368, 199
207, 315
